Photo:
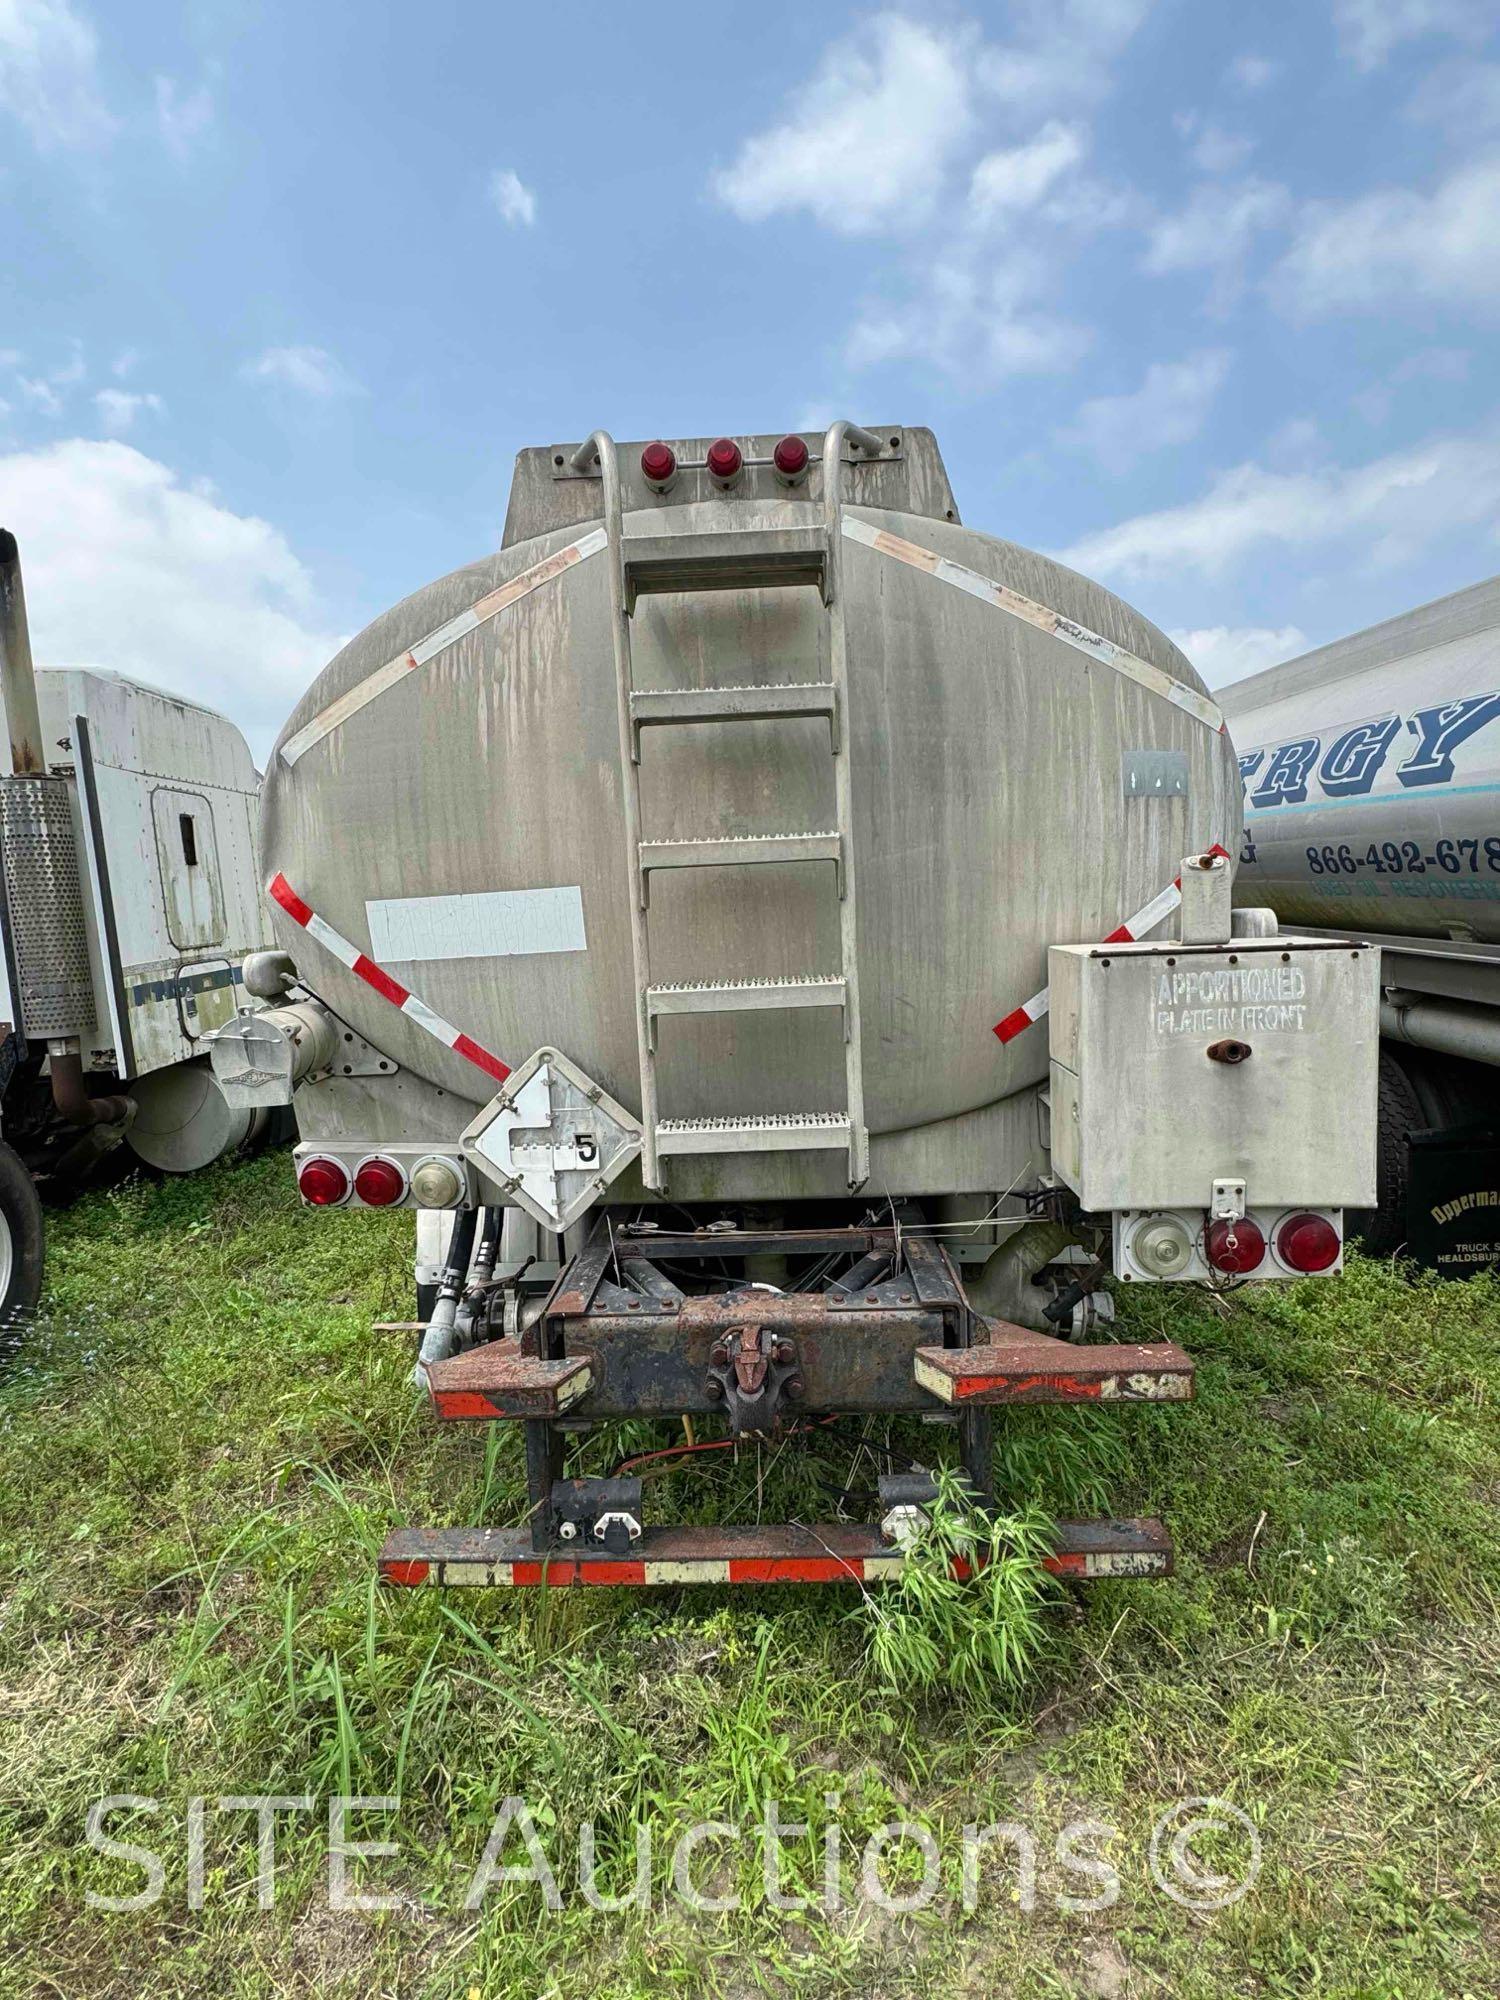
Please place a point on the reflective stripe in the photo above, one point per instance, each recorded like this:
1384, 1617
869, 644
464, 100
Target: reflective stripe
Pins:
1130, 932
1156, 680
489, 606
380, 981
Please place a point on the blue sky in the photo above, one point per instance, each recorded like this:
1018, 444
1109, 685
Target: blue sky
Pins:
1202, 297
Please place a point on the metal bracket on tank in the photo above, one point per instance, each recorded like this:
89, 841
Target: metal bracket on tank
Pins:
354, 1056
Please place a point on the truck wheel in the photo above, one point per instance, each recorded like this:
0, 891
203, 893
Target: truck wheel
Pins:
1382, 1229
20, 1248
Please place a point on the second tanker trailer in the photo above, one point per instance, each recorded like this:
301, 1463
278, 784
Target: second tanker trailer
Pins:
785, 936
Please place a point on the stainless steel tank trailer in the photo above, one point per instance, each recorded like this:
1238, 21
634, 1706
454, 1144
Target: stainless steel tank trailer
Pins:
760, 814
129, 896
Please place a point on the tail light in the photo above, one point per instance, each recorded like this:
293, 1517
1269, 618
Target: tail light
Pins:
436, 1184
1162, 1246
1237, 1247
322, 1182
790, 460
1308, 1243
659, 466
378, 1183
725, 461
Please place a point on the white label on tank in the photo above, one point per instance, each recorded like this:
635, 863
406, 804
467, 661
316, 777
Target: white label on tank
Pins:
499, 923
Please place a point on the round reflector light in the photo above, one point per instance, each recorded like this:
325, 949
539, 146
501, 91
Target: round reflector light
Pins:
791, 458
659, 464
322, 1182
1234, 1246
1162, 1245
1308, 1243
379, 1182
724, 459
435, 1184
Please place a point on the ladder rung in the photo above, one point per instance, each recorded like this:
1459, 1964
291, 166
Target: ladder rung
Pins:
744, 996
796, 1132
739, 851
731, 559
732, 704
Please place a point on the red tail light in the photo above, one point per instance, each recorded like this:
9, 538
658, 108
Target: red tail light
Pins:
1308, 1243
378, 1183
659, 466
790, 459
322, 1182
1235, 1247
724, 460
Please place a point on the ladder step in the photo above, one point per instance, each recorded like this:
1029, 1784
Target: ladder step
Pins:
499, 1380
1016, 1365
732, 704
740, 850
731, 559
796, 1132
744, 996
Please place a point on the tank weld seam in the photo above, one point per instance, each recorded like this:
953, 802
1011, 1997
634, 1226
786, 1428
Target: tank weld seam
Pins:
1156, 680
380, 981
479, 613
1161, 905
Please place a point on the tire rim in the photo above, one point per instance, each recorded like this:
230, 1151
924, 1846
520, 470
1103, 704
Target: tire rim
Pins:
7, 1257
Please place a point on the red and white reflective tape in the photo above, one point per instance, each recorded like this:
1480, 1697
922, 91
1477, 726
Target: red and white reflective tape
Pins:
479, 613
281, 891
1130, 932
559, 1572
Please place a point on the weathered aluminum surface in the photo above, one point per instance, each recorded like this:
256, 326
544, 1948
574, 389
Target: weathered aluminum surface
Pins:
990, 820
835, 1552
44, 904
1144, 1117
1383, 749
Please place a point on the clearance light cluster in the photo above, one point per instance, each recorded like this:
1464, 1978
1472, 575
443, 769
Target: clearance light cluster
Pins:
1160, 1245
725, 462
375, 1180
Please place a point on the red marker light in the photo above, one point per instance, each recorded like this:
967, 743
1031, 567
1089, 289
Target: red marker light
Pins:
1308, 1243
378, 1183
1235, 1247
790, 459
725, 460
659, 466
322, 1182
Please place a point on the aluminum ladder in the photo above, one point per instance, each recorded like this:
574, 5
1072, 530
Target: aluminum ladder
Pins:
738, 559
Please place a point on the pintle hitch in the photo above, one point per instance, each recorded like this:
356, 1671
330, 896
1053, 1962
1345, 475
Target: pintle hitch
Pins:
753, 1370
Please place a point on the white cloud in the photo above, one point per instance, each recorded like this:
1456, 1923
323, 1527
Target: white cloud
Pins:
119, 408
311, 371
48, 74
1210, 147
1216, 232
1017, 177
182, 116
1251, 72
975, 318
1387, 509
1370, 29
1396, 246
1169, 408
1060, 51
1428, 364
1224, 654
866, 143
128, 569
1461, 98
515, 201
41, 395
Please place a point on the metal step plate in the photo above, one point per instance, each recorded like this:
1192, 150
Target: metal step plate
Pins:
1019, 1366
808, 1131
498, 1380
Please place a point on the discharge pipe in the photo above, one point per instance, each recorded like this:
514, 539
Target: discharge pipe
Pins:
17, 674
70, 1094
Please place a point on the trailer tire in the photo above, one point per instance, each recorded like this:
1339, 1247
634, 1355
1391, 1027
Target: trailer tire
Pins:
21, 1246
1382, 1229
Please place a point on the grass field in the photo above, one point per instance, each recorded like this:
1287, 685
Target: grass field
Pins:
202, 1446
